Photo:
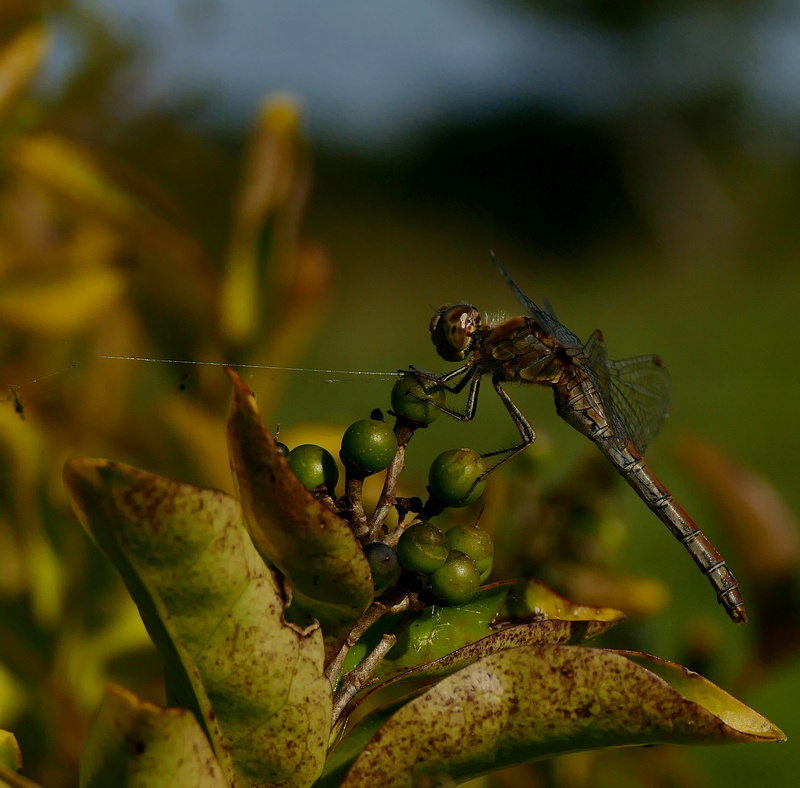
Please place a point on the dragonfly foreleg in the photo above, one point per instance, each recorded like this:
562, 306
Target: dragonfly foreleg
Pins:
470, 376
468, 371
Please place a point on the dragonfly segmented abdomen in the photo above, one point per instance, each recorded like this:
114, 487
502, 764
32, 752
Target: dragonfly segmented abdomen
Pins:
635, 470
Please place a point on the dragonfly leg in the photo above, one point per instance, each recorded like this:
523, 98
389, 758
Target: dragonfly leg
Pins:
443, 380
520, 422
470, 376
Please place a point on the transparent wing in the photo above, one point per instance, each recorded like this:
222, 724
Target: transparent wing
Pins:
635, 392
545, 317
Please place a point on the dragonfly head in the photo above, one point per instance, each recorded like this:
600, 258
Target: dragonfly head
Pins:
452, 329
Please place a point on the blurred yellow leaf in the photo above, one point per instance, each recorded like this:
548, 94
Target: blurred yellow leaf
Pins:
83, 657
637, 595
71, 171
21, 449
202, 433
20, 59
13, 701
65, 306
274, 182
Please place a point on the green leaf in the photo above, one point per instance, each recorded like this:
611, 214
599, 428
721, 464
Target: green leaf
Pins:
137, 744
212, 607
532, 702
311, 545
441, 630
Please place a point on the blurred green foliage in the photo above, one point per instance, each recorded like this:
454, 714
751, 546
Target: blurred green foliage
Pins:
140, 236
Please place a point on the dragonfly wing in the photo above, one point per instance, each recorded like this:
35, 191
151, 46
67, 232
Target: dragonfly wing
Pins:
635, 392
548, 307
545, 317
640, 391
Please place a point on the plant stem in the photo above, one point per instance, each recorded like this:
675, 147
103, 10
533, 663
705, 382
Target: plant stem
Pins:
354, 680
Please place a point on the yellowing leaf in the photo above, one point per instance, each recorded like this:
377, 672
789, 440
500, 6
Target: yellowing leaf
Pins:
137, 744
33, 557
66, 305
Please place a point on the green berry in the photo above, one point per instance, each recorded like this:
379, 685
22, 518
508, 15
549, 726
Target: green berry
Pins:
368, 446
457, 580
383, 564
455, 477
283, 449
314, 466
473, 541
486, 572
422, 548
417, 399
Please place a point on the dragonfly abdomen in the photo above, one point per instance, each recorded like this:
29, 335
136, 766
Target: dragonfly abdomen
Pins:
652, 491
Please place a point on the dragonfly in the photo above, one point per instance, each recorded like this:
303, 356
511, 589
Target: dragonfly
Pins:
619, 405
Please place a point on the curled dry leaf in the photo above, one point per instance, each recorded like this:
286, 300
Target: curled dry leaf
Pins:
311, 545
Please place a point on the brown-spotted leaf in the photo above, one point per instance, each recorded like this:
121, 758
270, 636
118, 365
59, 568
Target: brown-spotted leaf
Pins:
442, 630
532, 702
140, 745
313, 547
552, 632
214, 610
445, 639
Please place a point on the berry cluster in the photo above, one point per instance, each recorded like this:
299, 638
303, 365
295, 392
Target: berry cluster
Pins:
416, 554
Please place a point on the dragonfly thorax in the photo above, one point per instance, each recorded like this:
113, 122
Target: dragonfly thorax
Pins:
452, 330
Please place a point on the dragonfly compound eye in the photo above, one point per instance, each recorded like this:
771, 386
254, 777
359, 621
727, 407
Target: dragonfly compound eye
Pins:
452, 329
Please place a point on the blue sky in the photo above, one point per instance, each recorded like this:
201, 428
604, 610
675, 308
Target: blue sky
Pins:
380, 72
